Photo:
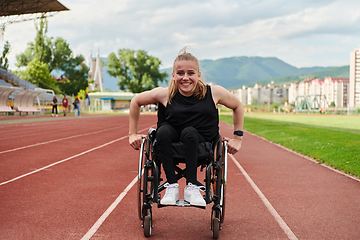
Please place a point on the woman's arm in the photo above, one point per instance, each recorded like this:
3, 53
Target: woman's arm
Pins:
149, 97
224, 97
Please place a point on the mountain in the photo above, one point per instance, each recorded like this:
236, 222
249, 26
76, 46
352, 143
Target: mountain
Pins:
234, 72
237, 71
230, 72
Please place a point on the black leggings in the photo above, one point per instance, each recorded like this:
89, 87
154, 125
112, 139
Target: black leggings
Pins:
190, 137
54, 107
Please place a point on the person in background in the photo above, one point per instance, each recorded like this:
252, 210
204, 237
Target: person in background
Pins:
87, 99
191, 116
54, 106
77, 106
65, 103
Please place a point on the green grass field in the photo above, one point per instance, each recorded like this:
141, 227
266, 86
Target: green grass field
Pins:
332, 140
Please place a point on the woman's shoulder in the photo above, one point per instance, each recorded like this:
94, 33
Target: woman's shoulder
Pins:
159, 92
218, 92
155, 95
161, 89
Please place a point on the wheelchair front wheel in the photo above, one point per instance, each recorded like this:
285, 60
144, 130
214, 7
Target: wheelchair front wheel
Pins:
215, 228
147, 224
215, 223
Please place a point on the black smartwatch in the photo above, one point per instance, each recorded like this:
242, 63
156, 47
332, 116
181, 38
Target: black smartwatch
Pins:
238, 133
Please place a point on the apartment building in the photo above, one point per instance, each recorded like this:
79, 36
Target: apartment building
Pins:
261, 95
293, 92
334, 89
354, 84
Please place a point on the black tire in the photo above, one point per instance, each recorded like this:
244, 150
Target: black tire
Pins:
222, 203
140, 198
217, 174
147, 225
223, 186
140, 187
215, 228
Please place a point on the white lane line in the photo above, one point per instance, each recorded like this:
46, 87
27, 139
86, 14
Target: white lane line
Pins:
57, 140
69, 128
64, 160
103, 217
272, 210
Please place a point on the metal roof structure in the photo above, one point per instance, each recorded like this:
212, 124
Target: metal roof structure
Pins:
14, 11
19, 7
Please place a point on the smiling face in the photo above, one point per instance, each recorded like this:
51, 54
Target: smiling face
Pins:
186, 75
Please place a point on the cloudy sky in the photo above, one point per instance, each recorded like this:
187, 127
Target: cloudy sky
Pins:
303, 33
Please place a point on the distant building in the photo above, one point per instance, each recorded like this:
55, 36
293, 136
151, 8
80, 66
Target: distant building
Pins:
95, 73
333, 89
336, 90
354, 85
241, 94
293, 92
319, 93
110, 101
261, 95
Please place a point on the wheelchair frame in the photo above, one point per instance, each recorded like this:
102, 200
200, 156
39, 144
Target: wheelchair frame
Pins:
150, 183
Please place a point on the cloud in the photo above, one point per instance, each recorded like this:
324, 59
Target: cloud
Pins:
302, 33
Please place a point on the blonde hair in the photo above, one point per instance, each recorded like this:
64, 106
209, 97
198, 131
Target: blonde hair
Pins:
200, 88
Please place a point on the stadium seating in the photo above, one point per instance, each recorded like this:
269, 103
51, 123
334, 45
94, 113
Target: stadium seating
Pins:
6, 109
27, 110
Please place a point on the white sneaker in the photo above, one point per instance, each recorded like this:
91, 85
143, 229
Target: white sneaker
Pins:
52, 115
171, 194
193, 196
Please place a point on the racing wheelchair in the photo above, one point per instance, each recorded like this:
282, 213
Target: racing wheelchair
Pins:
212, 156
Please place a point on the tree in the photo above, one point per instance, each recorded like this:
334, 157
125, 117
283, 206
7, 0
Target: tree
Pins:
136, 70
38, 73
4, 62
56, 54
77, 71
40, 48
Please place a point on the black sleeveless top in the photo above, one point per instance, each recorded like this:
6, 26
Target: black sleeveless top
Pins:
201, 114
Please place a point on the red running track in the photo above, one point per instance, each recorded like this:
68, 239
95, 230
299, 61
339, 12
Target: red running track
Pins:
72, 178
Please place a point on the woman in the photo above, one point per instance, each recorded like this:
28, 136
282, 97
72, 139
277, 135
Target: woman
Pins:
77, 106
54, 106
191, 116
65, 103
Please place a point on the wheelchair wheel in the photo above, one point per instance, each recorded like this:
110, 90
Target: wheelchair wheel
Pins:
223, 183
140, 187
147, 181
216, 228
147, 224
215, 224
